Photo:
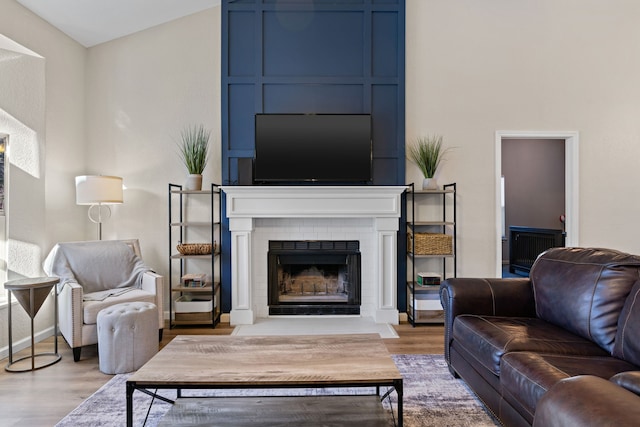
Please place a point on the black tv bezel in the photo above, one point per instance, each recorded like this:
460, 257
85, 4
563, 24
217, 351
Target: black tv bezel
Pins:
309, 181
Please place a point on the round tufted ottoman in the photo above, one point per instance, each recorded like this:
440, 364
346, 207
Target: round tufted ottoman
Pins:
127, 336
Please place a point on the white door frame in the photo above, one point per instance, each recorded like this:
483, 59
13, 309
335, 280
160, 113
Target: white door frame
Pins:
571, 145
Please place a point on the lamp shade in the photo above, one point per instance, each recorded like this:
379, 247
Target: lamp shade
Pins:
94, 189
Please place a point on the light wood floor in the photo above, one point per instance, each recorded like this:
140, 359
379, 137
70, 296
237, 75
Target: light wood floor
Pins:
42, 397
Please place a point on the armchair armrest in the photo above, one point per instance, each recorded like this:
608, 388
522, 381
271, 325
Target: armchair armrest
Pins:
490, 297
70, 316
629, 380
154, 283
587, 401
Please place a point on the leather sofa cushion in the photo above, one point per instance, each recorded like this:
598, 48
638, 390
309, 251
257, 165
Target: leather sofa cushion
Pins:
583, 290
488, 338
587, 401
629, 380
627, 344
525, 376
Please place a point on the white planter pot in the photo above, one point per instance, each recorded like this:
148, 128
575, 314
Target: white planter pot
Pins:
429, 184
193, 183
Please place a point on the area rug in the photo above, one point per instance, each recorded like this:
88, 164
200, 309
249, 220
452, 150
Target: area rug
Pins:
432, 398
327, 325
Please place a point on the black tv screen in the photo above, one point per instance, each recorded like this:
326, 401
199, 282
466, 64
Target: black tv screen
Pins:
328, 148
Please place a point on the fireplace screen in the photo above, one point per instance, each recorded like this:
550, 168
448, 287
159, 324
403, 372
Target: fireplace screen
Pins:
314, 277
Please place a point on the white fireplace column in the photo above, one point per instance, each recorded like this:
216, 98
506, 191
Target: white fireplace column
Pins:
387, 271
378, 204
241, 301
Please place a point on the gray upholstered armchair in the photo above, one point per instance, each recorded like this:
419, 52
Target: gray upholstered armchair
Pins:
95, 275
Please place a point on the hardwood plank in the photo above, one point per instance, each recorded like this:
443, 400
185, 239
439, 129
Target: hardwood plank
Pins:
67, 383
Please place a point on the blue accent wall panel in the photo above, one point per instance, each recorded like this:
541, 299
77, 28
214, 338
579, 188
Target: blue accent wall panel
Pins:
313, 98
318, 56
289, 37
381, 168
241, 48
384, 107
384, 40
241, 117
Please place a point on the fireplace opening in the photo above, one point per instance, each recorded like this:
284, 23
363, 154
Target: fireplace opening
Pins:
314, 277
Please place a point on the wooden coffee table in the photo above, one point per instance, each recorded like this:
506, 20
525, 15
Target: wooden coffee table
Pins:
231, 362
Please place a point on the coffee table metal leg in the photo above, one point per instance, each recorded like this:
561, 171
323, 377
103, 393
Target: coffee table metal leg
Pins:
130, 390
397, 384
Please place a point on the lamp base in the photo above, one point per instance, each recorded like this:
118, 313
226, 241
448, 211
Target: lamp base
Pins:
99, 213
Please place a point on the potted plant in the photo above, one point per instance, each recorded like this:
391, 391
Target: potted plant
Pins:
194, 150
427, 153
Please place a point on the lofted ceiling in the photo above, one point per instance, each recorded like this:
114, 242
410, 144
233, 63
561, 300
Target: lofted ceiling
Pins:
91, 22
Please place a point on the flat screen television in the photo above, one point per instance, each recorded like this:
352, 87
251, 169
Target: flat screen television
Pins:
321, 148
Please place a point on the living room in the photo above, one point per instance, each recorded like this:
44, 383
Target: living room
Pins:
472, 70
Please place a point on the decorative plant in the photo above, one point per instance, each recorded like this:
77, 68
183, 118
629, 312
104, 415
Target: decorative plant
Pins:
427, 153
194, 148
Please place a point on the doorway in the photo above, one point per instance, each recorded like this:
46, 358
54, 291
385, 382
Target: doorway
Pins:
569, 141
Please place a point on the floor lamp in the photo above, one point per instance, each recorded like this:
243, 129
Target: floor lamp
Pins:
99, 191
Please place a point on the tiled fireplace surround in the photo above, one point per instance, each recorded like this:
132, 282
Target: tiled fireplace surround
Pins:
257, 214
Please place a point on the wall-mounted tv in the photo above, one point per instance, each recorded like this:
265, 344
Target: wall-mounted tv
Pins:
329, 148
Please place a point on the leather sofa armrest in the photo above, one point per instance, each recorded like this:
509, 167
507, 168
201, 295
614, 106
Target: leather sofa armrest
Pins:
490, 297
587, 401
154, 283
629, 380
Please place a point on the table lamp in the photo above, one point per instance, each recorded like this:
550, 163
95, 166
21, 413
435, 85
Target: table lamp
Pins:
99, 191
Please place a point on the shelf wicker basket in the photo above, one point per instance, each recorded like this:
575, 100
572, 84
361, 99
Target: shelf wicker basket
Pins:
430, 243
195, 248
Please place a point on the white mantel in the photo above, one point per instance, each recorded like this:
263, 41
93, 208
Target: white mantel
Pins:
368, 213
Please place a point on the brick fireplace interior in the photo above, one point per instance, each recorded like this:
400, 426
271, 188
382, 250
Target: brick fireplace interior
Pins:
308, 277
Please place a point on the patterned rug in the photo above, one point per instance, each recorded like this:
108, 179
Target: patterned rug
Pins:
432, 398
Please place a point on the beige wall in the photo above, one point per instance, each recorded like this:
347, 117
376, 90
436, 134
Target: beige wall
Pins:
41, 104
474, 68
141, 92
63, 114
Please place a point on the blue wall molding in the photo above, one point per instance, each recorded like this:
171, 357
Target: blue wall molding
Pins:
322, 56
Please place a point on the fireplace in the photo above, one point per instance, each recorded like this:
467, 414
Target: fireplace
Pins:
259, 214
314, 277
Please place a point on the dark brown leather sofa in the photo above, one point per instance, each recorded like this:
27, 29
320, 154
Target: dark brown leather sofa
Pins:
577, 315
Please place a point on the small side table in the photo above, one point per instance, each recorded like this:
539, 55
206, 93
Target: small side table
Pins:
31, 294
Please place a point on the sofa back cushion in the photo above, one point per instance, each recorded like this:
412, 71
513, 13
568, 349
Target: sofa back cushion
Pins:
584, 289
627, 345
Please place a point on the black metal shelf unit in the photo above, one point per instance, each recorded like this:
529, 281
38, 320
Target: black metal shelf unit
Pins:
194, 303
423, 297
